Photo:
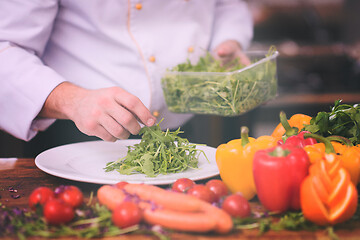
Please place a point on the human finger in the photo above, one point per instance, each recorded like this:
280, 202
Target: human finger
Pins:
225, 50
125, 118
134, 105
102, 133
113, 127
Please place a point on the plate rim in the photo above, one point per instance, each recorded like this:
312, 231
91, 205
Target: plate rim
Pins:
39, 158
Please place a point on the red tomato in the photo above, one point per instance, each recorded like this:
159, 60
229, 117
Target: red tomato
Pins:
120, 185
40, 196
57, 212
237, 206
202, 192
218, 187
126, 214
182, 185
71, 195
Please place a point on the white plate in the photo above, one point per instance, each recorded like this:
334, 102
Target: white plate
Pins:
85, 162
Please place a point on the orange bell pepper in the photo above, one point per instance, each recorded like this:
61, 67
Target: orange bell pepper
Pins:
235, 162
348, 155
296, 121
327, 195
350, 159
315, 151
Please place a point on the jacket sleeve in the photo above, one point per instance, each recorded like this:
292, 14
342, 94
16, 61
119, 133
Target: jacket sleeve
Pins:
233, 21
25, 82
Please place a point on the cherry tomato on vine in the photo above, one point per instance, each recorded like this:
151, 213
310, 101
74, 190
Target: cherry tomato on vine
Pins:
126, 214
40, 196
237, 206
218, 187
182, 185
202, 192
57, 212
71, 195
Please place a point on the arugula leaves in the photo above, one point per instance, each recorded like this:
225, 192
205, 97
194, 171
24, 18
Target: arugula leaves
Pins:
342, 120
159, 152
208, 63
220, 89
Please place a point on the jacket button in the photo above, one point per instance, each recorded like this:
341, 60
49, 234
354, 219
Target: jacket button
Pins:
155, 114
138, 6
152, 59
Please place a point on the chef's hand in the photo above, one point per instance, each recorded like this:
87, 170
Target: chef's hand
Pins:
108, 113
229, 50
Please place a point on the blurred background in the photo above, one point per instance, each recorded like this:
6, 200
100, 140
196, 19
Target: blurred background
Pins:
319, 62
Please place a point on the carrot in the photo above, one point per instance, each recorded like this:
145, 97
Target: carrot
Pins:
166, 199
110, 196
184, 221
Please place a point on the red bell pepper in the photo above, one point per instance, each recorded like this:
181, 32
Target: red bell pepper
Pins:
298, 140
292, 135
278, 173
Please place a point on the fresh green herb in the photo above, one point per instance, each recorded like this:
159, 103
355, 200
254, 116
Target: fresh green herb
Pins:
90, 221
264, 226
331, 233
159, 152
342, 120
291, 221
215, 92
208, 63
260, 223
246, 223
294, 221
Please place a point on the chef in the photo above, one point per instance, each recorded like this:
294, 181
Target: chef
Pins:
98, 63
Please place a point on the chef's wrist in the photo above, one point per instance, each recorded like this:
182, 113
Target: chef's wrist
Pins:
60, 102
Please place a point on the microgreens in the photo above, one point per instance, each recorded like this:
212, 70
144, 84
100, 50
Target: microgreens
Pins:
159, 152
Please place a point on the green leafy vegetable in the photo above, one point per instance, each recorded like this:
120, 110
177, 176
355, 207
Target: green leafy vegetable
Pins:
208, 63
208, 87
291, 221
342, 120
90, 221
159, 152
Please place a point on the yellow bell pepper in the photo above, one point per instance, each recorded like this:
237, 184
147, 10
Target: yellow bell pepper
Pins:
235, 161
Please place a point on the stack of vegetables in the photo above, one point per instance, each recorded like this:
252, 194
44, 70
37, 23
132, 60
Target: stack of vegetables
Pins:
298, 168
309, 164
306, 172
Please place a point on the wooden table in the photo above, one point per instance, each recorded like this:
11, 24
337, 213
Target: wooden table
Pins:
24, 176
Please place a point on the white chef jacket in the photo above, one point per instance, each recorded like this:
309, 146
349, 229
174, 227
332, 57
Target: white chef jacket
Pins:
104, 43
